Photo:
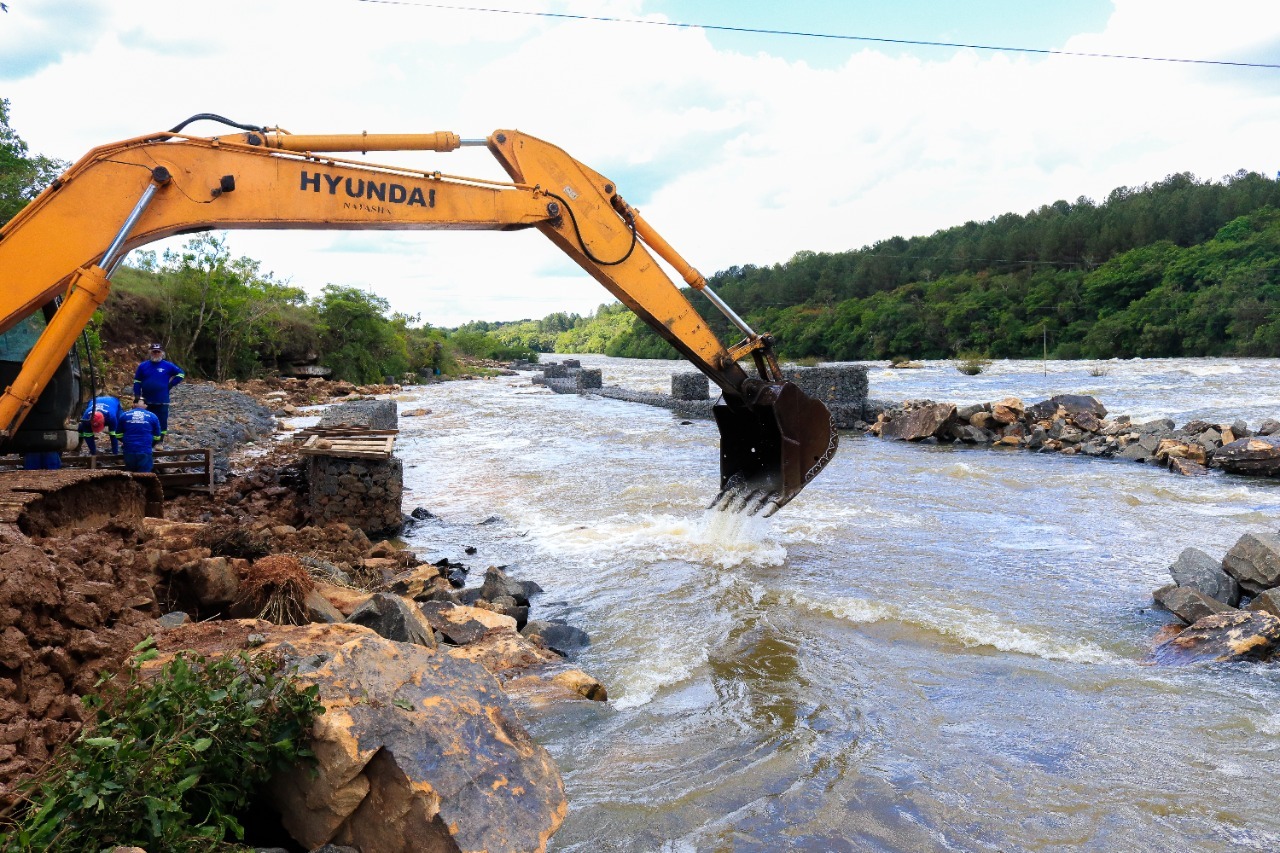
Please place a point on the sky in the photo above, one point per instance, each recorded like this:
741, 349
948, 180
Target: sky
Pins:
739, 147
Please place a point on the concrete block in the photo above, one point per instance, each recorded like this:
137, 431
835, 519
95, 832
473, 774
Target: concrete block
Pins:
845, 383
590, 377
690, 386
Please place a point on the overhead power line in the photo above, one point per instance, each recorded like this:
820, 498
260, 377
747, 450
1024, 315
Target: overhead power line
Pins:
833, 36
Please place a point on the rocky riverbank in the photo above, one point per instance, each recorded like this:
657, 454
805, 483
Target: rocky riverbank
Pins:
444, 656
1071, 424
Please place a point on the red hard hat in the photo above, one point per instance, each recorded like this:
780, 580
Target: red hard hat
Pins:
98, 422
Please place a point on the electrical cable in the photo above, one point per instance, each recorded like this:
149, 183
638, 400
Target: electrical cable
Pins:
217, 118
832, 36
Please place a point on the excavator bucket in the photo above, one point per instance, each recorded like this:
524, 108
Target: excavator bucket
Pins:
770, 448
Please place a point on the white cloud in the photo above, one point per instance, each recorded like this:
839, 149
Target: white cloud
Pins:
735, 158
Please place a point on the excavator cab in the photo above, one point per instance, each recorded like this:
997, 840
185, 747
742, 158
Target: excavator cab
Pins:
45, 428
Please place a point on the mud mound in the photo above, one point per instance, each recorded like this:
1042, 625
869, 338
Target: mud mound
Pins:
70, 608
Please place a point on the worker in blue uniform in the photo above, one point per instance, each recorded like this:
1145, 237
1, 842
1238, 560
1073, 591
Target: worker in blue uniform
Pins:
140, 433
152, 381
102, 415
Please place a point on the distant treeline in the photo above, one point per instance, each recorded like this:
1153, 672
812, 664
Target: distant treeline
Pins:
1180, 267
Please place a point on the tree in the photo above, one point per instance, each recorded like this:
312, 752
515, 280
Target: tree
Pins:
361, 344
22, 175
223, 316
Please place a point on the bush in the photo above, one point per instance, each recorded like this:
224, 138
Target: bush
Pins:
971, 363
168, 763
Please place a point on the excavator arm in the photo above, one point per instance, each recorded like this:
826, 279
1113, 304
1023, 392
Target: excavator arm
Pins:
67, 242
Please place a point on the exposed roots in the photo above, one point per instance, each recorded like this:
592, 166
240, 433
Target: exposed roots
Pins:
277, 588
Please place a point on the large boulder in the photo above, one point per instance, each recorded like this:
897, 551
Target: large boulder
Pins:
1267, 602
1072, 403
1187, 603
541, 689
211, 581
1008, 410
504, 653
1195, 568
395, 618
1237, 635
497, 584
1254, 561
1258, 456
919, 423
416, 750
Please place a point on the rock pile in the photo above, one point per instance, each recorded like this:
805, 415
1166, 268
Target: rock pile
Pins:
1232, 605
427, 653
1075, 424
205, 415
69, 609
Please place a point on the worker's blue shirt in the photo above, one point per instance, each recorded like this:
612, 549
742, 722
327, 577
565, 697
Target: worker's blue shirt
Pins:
141, 430
153, 379
110, 408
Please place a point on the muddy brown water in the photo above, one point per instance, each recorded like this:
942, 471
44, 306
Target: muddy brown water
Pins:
930, 649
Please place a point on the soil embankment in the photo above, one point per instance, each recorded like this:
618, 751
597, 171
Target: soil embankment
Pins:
77, 598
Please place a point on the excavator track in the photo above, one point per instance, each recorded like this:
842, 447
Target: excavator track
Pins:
44, 503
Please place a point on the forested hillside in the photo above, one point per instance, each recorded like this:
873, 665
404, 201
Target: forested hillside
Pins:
1181, 267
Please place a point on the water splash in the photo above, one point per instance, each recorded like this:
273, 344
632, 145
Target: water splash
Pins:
716, 539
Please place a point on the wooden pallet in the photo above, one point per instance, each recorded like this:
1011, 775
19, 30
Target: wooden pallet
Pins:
358, 446
341, 432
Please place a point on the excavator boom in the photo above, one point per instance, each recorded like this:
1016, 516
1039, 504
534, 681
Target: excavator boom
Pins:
66, 243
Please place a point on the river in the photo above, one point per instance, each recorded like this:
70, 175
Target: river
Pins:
931, 648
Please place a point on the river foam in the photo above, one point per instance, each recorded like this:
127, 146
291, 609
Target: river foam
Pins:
971, 628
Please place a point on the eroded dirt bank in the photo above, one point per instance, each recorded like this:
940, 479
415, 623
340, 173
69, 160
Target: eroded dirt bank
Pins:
80, 592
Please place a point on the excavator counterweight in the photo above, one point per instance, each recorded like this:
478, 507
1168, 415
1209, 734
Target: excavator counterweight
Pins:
66, 243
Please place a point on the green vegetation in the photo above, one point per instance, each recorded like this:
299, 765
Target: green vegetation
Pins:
1180, 267
221, 317
168, 761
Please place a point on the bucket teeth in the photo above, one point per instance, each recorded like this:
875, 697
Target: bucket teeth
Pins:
771, 447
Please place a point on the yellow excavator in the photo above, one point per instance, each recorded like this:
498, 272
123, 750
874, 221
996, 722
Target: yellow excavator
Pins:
58, 254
